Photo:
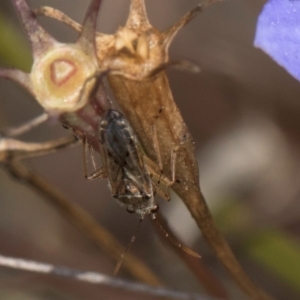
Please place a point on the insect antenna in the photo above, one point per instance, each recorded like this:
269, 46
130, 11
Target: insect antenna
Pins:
173, 240
117, 268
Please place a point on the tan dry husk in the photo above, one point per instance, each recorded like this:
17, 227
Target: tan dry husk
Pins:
148, 104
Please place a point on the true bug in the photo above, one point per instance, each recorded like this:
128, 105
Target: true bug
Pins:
129, 179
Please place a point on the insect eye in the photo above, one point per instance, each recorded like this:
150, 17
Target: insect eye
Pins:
155, 209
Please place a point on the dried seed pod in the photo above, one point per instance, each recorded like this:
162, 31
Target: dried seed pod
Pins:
59, 70
149, 106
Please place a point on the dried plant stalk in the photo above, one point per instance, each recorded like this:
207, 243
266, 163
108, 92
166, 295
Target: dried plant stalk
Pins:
210, 282
12, 149
82, 220
96, 278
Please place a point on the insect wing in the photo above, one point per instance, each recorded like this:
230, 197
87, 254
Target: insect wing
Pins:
121, 148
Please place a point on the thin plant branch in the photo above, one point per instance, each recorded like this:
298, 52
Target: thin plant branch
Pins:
96, 278
12, 149
211, 284
82, 220
15, 131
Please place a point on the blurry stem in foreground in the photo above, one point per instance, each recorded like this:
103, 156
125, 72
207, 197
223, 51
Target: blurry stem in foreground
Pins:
82, 220
12, 150
96, 278
211, 284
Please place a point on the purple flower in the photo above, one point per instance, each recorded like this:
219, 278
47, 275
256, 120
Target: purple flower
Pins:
278, 33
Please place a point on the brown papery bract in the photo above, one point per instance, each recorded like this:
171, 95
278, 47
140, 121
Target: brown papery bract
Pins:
149, 106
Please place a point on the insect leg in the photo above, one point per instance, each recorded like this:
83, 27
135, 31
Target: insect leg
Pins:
173, 154
160, 182
100, 173
174, 157
173, 240
156, 147
117, 268
88, 151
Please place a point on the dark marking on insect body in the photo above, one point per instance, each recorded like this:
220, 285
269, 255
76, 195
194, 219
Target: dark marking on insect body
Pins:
76, 137
129, 179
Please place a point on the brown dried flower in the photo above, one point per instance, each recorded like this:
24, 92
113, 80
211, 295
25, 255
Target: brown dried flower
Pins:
59, 71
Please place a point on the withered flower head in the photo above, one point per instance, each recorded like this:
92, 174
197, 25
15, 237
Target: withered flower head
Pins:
58, 77
139, 49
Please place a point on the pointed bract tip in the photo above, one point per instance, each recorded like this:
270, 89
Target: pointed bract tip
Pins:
170, 33
137, 16
189, 66
87, 36
39, 38
209, 2
185, 65
182, 65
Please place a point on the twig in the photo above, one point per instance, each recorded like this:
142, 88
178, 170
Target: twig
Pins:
81, 219
95, 278
13, 150
15, 131
211, 284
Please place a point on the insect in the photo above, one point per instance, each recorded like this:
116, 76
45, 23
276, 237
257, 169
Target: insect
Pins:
131, 183
129, 179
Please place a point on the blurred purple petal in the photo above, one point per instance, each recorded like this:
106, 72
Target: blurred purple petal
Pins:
278, 33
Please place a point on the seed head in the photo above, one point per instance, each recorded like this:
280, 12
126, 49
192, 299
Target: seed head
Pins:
59, 74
